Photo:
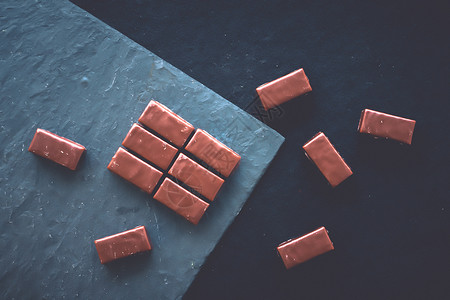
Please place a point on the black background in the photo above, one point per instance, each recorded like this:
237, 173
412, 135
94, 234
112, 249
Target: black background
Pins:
390, 222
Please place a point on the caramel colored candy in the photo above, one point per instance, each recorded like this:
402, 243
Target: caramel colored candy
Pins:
181, 201
327, 159
56, 148
283, 89
299, 250
122, 244
135, 170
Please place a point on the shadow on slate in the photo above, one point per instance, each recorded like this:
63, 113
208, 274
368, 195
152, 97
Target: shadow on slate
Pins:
65, 71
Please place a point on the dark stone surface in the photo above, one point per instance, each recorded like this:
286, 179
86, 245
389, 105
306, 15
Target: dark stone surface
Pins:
65, 71
390, 223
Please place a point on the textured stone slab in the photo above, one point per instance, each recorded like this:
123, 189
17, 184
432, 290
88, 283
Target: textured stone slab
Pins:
63, 70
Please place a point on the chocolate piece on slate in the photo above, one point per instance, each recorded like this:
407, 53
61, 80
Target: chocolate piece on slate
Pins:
166, 123
299, 250
135, 170
181, 201
213, 152
386, 126
283, 89
327, 159
196, 176
149, 146
56, 148
122, 244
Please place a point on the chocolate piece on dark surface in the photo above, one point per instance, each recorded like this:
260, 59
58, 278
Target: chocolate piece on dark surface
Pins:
386, 126
135, 170
283, 89
56, 148
196, 176
181, 201
122, 244
213, 152
166, 123
149, 146
327, 159
299, 250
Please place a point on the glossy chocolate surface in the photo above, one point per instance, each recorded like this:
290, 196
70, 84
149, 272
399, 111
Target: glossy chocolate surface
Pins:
56, 148
299, 250
284, 89
149, 146
213, 152
135, 170
196, 176
181, 201
122, 244
327, 159
165, 122
386, 126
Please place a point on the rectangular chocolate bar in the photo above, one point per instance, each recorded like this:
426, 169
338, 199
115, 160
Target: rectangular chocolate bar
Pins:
196, 176
213, 152
56, 148
122, 244
386, 126
149, 146
299, 250
166, 123
327, 159
135, 170
283, 89
181, 201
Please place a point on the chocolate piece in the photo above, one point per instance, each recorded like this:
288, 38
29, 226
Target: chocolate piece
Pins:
122, 244
165, 122
213, 152
327, 159
149, 146
299, 250
196, 176
135, 170
56, 148
181, 201
386, 126
283, 89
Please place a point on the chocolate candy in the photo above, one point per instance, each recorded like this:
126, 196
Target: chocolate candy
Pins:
134, 170
122, 244
181, 201
386, 126
299, 250
166, 123
196, 176
327, 159
56, 148
149, 146
213, 152
283, 89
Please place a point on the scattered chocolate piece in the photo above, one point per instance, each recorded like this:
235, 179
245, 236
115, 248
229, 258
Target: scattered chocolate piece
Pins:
166, 123
213, 152
56, 148
299, 250
149, 146
133, 169
181, 201
386, 126
327, 159
196, 176
122, 244
283, 89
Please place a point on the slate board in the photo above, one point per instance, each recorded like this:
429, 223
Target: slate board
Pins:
65, 71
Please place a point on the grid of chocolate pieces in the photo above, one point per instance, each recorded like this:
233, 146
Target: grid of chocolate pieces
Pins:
163, 154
